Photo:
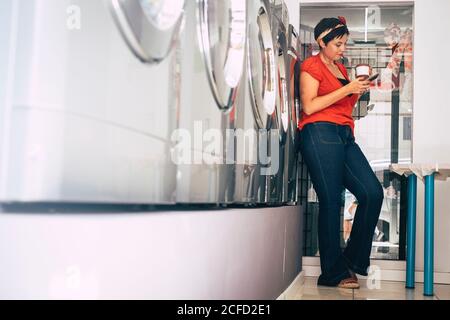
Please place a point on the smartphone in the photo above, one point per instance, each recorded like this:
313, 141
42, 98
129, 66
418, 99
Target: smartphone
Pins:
373, 77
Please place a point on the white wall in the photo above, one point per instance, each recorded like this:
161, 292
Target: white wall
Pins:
431, 129
431, 114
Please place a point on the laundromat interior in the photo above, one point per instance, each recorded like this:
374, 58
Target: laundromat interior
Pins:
149, 149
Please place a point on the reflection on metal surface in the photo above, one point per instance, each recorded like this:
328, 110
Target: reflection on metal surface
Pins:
294, 77
148, 26
261, 66
282, 99
164, 14
222, 33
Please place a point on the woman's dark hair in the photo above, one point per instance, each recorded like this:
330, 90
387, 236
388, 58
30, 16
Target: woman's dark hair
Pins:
330, 23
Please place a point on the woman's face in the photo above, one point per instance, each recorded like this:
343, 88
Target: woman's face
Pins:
335, 49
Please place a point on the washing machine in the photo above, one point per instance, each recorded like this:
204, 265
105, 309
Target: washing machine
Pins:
213, 60
91, 96
281, 119
290, 183
258, 94
261, 95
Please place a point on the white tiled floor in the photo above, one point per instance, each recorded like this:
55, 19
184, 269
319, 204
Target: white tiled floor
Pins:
384, 290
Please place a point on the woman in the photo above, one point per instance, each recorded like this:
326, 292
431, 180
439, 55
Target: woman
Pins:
334, 159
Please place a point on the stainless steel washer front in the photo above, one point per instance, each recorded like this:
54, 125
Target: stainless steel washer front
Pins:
262, 66
213, 58
222, 34
85, 121
290, 184
148, 26
275, 180
262, 74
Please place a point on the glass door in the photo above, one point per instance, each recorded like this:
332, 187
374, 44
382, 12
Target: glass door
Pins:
261, 65
223, 35
147, 26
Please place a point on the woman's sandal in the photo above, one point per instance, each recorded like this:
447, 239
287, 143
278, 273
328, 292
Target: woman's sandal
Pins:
349, 283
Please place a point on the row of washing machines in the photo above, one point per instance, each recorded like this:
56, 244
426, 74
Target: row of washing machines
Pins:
142, 101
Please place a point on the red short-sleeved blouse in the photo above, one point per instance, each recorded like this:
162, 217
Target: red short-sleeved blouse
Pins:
341, 111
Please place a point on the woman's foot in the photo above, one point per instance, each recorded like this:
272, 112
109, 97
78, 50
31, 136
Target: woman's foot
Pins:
349, 283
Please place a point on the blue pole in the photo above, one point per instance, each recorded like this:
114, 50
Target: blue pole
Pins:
411, 231
429, 235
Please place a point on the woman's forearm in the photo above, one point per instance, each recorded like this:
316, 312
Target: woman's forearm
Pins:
322, 102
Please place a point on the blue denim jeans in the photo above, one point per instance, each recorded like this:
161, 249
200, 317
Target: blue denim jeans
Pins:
336, 162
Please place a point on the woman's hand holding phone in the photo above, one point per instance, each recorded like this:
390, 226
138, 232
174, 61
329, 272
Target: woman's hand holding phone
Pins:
358, 86
373, 77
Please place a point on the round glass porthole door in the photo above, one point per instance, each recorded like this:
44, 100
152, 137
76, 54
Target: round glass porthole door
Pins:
261, 66
222, 36
282, 97
294, 82
148, 26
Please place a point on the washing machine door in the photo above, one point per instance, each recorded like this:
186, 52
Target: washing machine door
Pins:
148, 26
222, 41
282, 97
294, 81
262, 72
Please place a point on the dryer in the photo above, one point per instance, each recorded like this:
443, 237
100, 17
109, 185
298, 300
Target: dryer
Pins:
258, 92
262, 89
213, 59
279, 30
290, 183
87, 116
